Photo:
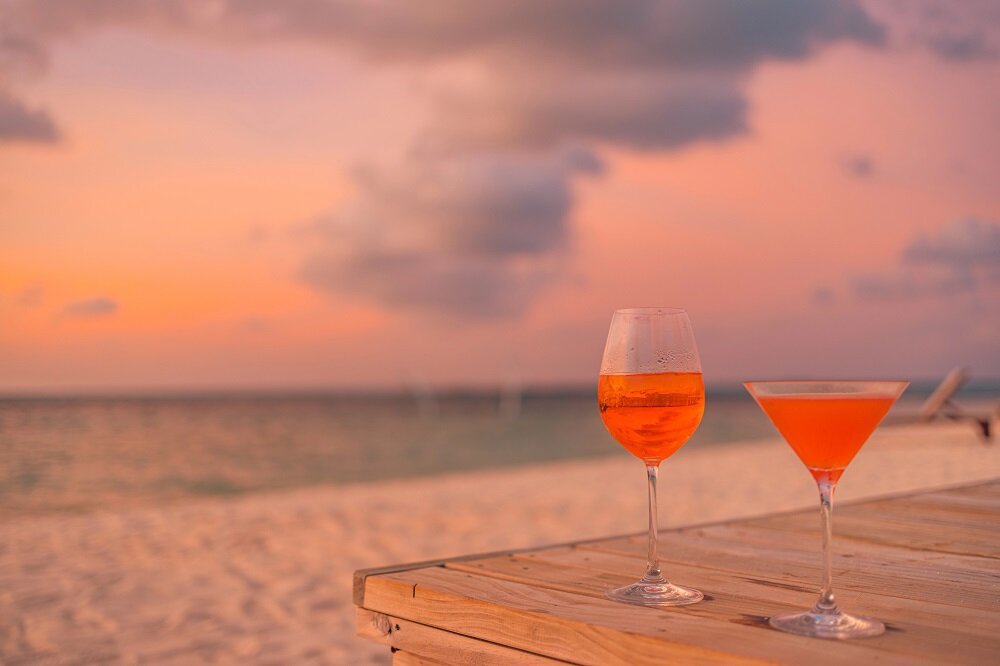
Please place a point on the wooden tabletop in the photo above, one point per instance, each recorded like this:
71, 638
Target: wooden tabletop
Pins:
926, 564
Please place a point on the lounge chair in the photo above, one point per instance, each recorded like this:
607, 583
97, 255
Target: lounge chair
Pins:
940, 404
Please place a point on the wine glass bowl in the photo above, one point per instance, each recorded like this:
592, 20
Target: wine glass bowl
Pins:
652, 414
826, 423
651, 397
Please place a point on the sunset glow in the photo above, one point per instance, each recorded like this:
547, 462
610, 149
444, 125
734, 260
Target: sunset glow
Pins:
236, 200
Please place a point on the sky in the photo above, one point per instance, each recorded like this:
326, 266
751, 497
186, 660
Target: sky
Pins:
364, 195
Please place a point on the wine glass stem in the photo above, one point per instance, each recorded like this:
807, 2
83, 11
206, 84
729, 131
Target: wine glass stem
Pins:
826, 603
652, 558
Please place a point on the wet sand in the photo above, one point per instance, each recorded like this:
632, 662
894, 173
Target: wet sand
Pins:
266, 579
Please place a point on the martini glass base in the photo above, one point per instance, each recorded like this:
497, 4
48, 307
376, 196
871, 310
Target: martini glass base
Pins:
655, 594
828, 625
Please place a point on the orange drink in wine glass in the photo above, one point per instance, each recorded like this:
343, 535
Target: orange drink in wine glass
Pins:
651, 397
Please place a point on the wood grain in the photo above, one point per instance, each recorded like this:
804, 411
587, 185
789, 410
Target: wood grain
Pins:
441, 646
411, 659
927, 564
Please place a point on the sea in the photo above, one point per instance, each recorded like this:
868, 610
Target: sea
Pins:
80, 454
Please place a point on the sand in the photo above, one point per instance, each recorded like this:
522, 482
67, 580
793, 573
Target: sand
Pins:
266, 579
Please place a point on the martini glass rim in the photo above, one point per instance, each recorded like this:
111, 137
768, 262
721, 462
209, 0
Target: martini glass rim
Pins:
825, 381
826, 388
651, 310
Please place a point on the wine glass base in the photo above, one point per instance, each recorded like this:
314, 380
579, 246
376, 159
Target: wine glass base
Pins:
828, 625
655, 594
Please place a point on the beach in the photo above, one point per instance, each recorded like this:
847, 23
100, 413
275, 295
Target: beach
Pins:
266, 579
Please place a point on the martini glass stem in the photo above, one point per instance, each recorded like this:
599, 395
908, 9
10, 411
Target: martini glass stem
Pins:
827, 604
653, 574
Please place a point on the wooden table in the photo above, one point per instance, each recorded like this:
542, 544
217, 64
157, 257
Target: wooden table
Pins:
926, 564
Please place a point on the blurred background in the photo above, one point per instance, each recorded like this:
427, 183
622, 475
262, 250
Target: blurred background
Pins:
355, 195
332, 200
258, 246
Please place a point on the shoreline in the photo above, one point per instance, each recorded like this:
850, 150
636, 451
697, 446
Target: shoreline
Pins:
267, 577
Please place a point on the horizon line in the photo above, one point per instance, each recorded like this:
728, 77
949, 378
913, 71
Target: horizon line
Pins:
446, 389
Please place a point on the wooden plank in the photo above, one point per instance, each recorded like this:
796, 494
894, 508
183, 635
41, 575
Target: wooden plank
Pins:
867, 562
913, 510
732, 593
524, 617
550, 572
977, 530
966, 539
920, 581
989, 490
745, 537
928, 519
956, 501
982, 489
597, 631
733, 597
441, 646
934, 510
810, 542
410, 659
361, 574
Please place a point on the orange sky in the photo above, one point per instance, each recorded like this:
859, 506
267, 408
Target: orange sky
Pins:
852, 227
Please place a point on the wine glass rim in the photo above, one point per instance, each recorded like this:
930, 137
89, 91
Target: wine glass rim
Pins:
826, 381
651, 311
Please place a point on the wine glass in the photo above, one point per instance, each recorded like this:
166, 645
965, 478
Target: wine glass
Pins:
826, 423
652, 397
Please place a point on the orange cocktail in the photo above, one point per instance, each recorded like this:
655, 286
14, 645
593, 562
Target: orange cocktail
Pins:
651, 414
826, 430
826, 423
651, 396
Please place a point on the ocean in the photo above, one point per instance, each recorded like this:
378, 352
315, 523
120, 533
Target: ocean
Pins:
83, 454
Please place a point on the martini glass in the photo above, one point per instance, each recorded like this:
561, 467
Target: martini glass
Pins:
826, 423
651, 396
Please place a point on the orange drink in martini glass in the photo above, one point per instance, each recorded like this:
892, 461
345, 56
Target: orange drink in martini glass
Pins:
826, 423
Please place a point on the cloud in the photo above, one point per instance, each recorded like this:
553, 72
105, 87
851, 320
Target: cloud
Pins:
436, 282
254, 324
961, 259
596, 33
18, 122
911, 284
31, 296
20, 55
957, 32
603, 34
473, 235
99, 306
479, 204
478, 222
476, 219
606, 70
966, 243
963, 47
823, 297
859, 166
640, 110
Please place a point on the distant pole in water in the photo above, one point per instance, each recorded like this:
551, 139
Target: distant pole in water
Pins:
423, 395
510, 399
